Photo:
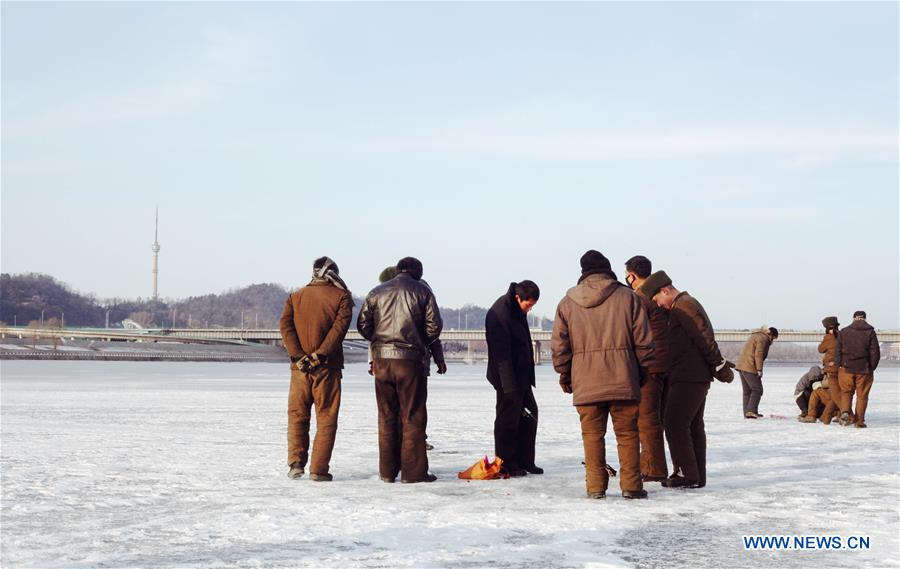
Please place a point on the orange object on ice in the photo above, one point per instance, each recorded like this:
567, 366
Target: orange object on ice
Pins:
484, 470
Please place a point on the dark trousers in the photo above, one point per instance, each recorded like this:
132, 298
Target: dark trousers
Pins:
685, 430
401, 392
593, 433
753, 391
321, 388
653, 450
515, 432
803, 401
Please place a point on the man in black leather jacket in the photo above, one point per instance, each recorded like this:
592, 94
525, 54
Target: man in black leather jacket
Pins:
401, 319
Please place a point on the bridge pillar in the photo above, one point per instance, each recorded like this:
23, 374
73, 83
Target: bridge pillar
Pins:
536, 345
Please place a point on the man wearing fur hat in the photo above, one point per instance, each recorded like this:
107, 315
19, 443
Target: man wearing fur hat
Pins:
401, 319
602, 347
695, 359
826, 348
856, 354
750, 367
313, 326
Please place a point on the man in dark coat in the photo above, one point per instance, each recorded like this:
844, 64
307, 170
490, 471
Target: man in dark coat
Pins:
695, 360
511, 371
654, 390
856, 354
401, 319
313, 326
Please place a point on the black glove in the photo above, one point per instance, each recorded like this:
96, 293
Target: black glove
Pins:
442, 367
565, 382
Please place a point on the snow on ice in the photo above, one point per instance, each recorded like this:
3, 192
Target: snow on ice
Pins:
127, 464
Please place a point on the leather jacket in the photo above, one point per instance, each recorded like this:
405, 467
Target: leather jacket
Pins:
401, 319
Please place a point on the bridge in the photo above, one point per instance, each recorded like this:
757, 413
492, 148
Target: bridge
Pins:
270, 335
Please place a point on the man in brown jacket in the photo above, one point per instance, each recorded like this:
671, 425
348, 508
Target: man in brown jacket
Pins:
856, 354
313, 326
653, 451
602, 346
695, 358
826, 348
750, 366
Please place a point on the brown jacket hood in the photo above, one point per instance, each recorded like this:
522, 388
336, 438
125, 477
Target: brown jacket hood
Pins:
593, 291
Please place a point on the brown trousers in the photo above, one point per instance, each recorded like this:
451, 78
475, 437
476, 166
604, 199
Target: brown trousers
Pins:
821, 405
321, 388
686, 431
653, 449
593, 432
401, 391
859, 383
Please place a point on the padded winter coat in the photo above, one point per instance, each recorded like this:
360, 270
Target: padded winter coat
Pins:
601, 340
755, 351
857, 349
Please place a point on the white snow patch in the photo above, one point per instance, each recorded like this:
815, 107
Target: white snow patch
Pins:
158, 464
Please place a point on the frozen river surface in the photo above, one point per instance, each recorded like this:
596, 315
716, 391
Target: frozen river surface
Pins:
121, 464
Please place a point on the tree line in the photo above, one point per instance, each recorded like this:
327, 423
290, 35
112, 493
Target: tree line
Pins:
33, 298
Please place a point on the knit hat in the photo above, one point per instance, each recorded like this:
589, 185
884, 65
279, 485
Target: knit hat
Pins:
830, 322
654, 283
594, 261
387, 274
859, 314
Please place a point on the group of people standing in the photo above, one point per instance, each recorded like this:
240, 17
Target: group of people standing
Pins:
849, 359
644, 354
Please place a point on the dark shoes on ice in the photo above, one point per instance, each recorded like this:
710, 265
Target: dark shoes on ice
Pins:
534, 469
752, 415
321, 477
861, 425
429, 477
296, 470
515, 471
649, 478
387, 480
807, 419
596, 495
675, 481
845, 420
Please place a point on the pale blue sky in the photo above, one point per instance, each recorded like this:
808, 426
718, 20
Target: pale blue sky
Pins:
749, 149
